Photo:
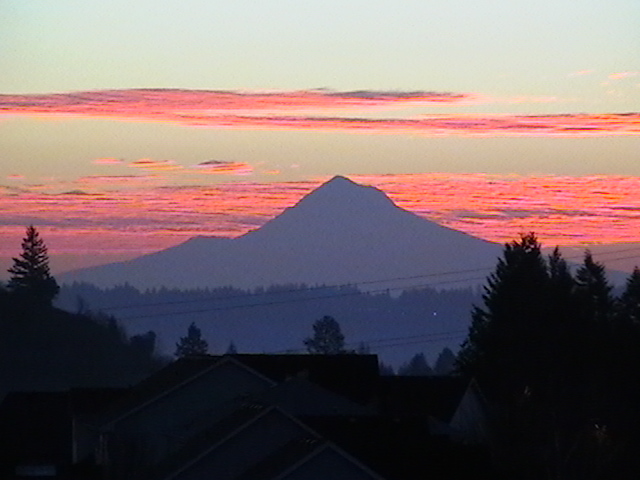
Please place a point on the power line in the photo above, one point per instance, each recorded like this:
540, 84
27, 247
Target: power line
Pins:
281, 302
326, 287
408, 340
320, 287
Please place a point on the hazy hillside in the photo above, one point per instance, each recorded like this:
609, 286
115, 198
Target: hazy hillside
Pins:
279, 318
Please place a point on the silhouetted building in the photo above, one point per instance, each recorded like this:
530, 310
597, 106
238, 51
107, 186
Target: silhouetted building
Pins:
245, 417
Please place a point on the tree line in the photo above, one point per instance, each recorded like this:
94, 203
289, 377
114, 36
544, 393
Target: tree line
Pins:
557, 357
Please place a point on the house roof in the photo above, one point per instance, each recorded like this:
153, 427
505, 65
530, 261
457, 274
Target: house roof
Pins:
433, 396
351, 375
295, 455
282, 459
199, 444
206, 442
299, 396
166, 380
402, 448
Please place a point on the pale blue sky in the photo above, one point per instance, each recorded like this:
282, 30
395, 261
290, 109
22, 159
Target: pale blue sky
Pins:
563, 51
498, 47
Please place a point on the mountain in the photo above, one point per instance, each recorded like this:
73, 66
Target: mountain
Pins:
342, 232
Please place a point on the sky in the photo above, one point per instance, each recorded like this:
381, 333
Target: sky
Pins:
128, 127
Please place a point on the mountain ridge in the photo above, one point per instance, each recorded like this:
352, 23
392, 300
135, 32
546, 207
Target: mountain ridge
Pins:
341, 232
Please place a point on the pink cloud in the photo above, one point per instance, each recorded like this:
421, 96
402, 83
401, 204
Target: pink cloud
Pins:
220, 167
220, 109
15, 176
156, 103
108, 161
560, 209
567, 125
155, 165
113, 181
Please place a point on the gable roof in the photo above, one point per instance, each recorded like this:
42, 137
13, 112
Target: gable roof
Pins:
206, 442
171, 378
351, 375
279, 463
432, 396
299, 396
328, 447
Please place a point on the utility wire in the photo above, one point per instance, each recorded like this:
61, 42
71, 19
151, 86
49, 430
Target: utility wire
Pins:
282, 302
325, 287
408, 340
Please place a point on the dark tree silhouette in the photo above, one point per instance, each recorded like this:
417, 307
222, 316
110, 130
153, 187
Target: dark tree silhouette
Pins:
557, 359
30, 275
232, 349
629, 305
416, 367
192, 344
327, 337
593, 290
507, 335
385, 370
145, 343
445, 363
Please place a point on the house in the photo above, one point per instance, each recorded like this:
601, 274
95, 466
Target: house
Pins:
253, 417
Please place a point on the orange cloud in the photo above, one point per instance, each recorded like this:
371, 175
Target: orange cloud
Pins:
565, 125
108, 161
114, 182
155, 165
156, 103
220, 167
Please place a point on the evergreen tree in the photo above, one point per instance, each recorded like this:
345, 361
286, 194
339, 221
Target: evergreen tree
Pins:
231, 349
593, 290
416, 367
192, 344
506, 337
327, 337
30, 275
629, 305
385, 370
445, 363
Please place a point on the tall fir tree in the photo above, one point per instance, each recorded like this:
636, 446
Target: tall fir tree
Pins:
629, 304
192, 344
30, 274
504, 340
445, 363
417, 366
593, 290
